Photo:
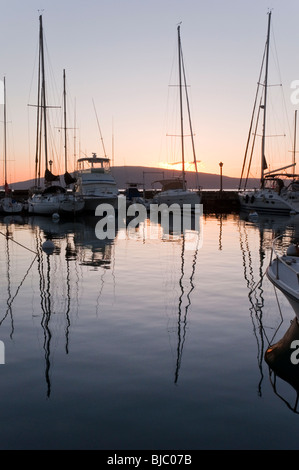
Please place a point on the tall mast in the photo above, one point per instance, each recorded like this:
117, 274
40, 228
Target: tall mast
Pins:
294, 152
43, 90
64, 104
5, 144
190, 125
181, 105
263, 158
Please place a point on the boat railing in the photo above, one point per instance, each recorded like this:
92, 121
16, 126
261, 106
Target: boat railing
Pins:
280, 261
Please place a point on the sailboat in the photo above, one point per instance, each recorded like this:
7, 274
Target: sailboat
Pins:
279, 191
8, 204
283, 272
71, 202
174, 190
54, 198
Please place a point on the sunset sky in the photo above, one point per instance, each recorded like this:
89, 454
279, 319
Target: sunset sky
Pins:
119, 56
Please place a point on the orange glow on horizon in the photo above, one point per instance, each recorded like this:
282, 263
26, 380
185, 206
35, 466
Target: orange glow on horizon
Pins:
189, 166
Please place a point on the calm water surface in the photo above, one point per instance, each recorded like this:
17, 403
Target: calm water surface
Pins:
142, 343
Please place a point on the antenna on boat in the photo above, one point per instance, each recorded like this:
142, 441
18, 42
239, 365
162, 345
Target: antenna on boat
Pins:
99, 129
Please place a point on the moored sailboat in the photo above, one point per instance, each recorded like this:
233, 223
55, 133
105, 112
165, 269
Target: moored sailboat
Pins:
279, 190
174, 190
8, 204
283, 272
54, 198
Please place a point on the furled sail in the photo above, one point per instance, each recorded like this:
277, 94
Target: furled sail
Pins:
49, 177
68, 178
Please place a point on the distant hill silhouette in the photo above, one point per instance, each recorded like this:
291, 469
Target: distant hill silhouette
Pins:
139, 174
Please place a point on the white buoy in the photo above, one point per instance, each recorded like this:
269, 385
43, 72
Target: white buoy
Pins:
48, 247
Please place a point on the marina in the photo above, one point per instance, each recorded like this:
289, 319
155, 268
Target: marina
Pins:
149, 293
133, 333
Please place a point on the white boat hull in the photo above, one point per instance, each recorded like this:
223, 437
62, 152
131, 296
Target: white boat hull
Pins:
71, 204
57, 203
283, 272
95, 185
177, 196
268, 201
10, 206
43, 205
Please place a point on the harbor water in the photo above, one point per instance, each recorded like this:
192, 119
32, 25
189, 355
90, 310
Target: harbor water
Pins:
142, 342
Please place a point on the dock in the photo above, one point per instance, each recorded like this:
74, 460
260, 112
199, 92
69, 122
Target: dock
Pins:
220, 201
213, 201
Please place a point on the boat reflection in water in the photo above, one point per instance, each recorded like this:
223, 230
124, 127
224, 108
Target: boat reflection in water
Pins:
266, 323
186, 284
283, 361
190, 242
74, 245
13, 288
78, 273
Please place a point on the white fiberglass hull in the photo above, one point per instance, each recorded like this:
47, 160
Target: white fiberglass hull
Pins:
43, 205
71, 204
10, 206
268, 201
177, 196
50, 204
283, 272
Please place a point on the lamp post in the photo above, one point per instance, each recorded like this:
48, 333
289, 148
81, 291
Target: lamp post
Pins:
221, 165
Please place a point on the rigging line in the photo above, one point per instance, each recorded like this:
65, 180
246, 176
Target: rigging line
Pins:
190, 124
251, 123
17, 290
280, 78
252, 148
99, 129
258, 283
23, 246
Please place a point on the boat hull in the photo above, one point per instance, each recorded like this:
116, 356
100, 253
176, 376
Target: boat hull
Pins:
50, 204
10, 206
71, 205
43, 205
180, 197
91, 203
268, 201
283, 272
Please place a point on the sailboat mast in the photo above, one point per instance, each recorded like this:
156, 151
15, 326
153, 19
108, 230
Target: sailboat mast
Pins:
294, 153
263, 158
190, 126
5, 144
181, 106
64, 104
43, 97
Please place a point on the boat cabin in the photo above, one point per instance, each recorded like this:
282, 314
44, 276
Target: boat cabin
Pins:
168, 184
273, 183
93, 164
